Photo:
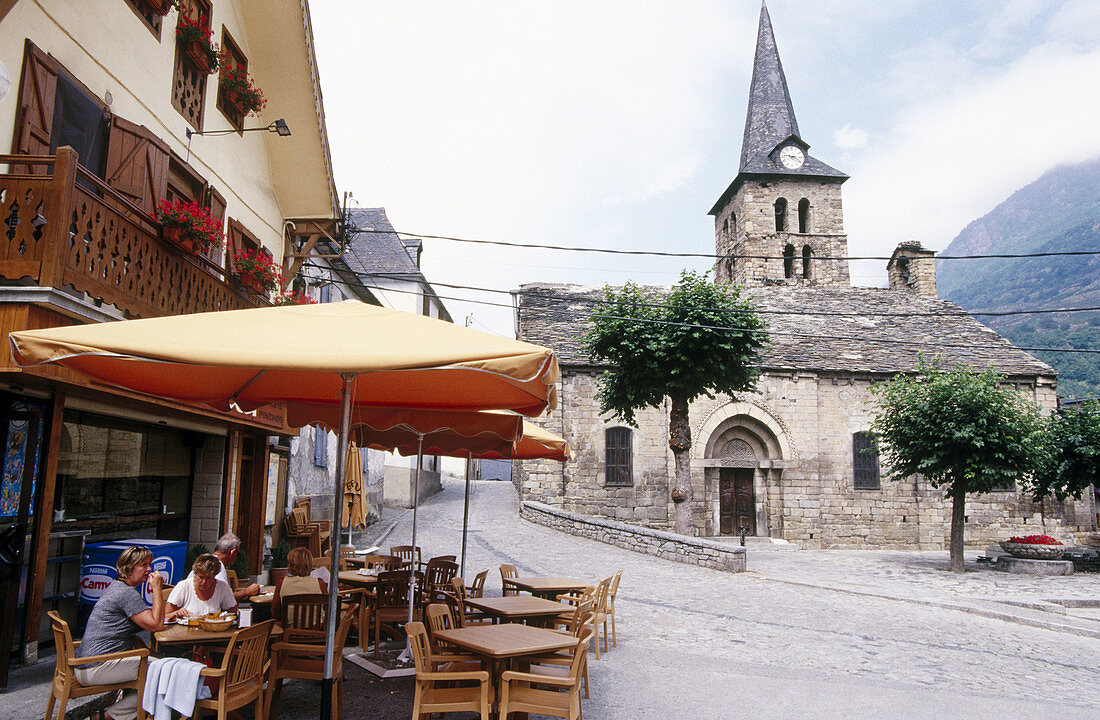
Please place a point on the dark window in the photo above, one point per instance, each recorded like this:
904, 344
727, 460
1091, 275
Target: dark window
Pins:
320, 447
807, 254
80, 122
803, 215
781, 214
617, 444
233, 57
788, 261
326, 293
865, 461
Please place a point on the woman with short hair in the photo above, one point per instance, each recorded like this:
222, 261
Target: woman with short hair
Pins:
203, 593
118, 615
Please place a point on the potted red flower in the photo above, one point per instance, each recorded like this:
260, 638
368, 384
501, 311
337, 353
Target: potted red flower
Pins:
297, 297
195, 37
1034, 547
189, 225
256, 270
239, 89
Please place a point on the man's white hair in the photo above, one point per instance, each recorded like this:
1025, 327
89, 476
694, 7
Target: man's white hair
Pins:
227, 543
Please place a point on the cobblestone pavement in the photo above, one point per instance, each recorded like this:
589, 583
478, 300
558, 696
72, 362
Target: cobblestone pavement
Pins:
804, 634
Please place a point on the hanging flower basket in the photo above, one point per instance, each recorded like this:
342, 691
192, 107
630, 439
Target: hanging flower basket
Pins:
297, 297
255, 270
195, 36
189, 226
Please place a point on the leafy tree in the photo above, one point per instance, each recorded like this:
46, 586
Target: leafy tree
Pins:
960, 429
699, 340
1071, 462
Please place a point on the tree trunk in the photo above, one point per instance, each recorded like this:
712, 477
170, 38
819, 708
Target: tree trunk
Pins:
958, 520
679, 440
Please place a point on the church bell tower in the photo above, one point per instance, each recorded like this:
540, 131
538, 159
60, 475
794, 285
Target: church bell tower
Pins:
784, 205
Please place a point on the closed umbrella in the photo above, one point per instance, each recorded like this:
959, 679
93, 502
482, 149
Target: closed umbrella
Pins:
340, 354
353, 490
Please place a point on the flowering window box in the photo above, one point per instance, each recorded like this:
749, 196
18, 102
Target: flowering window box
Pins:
189, 225
195, 36
255, 270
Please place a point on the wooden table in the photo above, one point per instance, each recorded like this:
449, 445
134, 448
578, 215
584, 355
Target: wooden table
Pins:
518, 608
353, 577
546, 586
500, 642
184, 635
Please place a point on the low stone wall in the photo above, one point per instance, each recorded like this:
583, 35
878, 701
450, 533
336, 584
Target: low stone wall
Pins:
670, 546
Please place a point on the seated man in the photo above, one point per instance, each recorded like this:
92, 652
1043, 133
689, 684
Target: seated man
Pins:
226, 550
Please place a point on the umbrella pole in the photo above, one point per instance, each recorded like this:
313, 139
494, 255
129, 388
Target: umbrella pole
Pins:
407, 653
334, 567
465, 517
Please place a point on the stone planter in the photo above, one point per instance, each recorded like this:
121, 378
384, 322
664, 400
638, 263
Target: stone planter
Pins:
1028, 551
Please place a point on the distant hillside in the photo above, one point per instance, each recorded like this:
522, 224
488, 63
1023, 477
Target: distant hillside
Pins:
1058, 212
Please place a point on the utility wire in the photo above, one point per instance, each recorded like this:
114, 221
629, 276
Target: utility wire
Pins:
783, 333
659, 253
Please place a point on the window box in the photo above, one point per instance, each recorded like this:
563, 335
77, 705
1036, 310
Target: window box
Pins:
157, 7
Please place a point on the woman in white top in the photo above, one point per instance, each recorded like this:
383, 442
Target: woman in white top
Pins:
203, 594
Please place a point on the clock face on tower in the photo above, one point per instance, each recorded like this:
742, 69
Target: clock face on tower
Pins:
791, 157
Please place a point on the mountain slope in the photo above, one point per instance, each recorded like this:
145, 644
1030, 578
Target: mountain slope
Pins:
1059, 212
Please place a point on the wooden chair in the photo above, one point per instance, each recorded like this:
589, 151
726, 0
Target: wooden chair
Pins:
611, 594
579, 626
466, 615
301, 656
382, 563
65, 685
508, 571
478, 588
305, 504
300, 533
390, 606
448, 558
232, 577
439, 691
444, 655
303, 612
241, 673
409, 555
347, 552
599, 613
437, 581
543, 692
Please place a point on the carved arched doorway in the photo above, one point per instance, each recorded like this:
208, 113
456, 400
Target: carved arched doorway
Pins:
743, 461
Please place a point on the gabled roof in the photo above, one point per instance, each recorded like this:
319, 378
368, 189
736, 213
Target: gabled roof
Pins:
556, 316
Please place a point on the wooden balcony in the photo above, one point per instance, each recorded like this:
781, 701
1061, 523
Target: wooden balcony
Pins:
65, 228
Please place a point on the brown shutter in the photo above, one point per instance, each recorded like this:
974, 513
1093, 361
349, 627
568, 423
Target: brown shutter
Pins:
137, 164
34, 120
215, 203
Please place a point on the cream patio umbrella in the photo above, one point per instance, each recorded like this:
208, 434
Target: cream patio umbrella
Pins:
340, 354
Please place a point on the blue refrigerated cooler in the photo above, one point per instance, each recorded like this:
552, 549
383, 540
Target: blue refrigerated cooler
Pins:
99, 570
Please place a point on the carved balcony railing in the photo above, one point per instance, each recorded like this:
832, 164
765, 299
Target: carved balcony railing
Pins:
69, 229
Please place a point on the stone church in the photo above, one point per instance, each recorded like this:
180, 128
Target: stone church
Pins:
795, 460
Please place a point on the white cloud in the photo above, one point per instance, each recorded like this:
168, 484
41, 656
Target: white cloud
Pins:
850, 138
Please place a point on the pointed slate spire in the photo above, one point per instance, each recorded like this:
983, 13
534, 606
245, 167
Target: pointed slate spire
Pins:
770, 117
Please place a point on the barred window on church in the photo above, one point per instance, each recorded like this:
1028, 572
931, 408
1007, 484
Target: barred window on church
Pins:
618, 457
865, 461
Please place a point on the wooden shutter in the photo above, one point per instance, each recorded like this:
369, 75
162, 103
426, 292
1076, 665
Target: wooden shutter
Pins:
137, 164
34, 118
215, 203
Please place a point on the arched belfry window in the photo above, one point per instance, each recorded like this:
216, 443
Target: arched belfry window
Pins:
781, 214
788, 261
803, 215
807, 255
865, 461
618, 457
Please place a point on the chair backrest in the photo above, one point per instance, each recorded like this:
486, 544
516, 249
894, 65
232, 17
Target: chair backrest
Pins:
448, 558
304, 612
232, 575
582, 615
392, 589
456, 600
63, 644
599, 600
297, 521
439, 573
341, 640
421, 649
409, 555
614, 588
478, 587
508, 571
440, 618
244, 659
381, 562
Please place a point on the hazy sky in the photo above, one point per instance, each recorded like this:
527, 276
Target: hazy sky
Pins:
608, 123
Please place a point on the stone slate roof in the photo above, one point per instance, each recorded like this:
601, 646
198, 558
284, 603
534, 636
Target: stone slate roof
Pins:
555, 315
377, 252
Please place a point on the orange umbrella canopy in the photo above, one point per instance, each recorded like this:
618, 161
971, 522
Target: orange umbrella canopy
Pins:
298, 353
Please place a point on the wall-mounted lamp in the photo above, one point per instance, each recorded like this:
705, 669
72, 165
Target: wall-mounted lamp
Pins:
278, 127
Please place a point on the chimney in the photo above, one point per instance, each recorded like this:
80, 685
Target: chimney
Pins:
912, 268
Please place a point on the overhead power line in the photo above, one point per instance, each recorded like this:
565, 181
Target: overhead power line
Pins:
659, 253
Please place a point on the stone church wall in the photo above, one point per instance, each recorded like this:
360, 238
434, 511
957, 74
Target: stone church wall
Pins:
804, 491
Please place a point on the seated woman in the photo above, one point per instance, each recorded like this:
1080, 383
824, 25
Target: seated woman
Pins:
120, 614
204, 594
297, 580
